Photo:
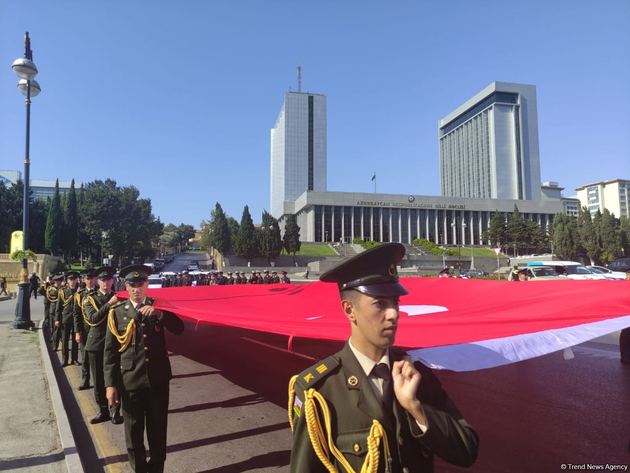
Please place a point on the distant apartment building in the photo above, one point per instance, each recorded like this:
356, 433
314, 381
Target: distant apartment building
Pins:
613, 195
298, 149
489, 145
40, 188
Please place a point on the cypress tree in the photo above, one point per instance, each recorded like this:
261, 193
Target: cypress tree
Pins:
54, 222
291, 239
246, 242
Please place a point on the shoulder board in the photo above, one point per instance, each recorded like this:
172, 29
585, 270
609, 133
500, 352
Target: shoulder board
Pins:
312, 375
117, 305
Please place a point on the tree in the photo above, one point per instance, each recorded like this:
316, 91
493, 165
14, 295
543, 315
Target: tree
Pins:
291, 239
565, 236
233, 227
496, 232
517, 232
610, 237
588, 236
246, 245
270, 243
219, 230
54, 222
70, 223
624, 227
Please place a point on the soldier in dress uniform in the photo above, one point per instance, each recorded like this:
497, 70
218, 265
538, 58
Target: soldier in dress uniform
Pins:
136, 359
369, 405
624, 341
55, 335
43, 291
96, 306
81, 328
275, 279
64, 314
230, 279
284, 278
266, 277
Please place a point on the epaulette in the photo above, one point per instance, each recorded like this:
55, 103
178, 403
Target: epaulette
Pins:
312, 375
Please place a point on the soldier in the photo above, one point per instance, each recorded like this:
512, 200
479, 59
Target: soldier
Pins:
252, 278
230, 279
43, 291
369, 407
96, 306
136, 359
284, 278
266, 278
275, 279
52, 296
81, 328
65, 315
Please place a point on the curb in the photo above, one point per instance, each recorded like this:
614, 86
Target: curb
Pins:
71, 454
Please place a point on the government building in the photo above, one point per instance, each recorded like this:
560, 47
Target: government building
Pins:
489, 162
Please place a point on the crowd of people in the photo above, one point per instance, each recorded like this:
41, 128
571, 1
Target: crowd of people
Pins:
220, 279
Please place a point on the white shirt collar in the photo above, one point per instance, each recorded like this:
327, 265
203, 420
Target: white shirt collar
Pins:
366, 362
135, 304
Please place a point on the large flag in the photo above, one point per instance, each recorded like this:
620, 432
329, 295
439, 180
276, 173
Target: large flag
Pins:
454, 324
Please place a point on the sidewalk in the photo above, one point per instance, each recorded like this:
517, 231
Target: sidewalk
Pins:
29, 434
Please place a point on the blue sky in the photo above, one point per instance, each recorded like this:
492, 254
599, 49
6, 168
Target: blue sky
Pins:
177, 98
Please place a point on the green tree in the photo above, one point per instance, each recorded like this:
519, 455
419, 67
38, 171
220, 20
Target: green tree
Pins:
246, 245
233, 227
610, 237
270, 242
624, 227
291, 239
565, 242
588, 235
70, 223
517, 232
54, 223
219, 230
496, 232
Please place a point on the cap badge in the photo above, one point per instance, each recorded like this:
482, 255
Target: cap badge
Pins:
353, 380
392, 270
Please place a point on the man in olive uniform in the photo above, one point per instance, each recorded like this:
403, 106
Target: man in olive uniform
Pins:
624, 341
43, 291
284, 278
96, 306
81, 328
136, 359
65, 315
53, 297
379, 405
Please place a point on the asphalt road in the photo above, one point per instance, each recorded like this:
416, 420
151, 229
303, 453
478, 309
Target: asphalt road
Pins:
228, 407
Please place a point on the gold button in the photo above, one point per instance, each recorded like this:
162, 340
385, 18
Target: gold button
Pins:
356, 447
143, 324
146, 348
144, 335
146, 359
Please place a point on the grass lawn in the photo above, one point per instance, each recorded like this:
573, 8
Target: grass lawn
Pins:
466, 251
314, 249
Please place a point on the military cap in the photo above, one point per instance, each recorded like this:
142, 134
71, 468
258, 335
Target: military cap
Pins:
135, 273
371, 272
72, 274
58, 277
522, 271
88, 273
266, 270
283, 272
105, 272
445, 271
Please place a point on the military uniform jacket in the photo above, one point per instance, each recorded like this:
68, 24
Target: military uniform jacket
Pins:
51, 298
65, 305
96, 309
353, 406
79, 323
144, 364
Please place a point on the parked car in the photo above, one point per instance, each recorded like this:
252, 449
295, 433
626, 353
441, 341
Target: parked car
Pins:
607, 273
472, 273
155, 281
572, 270
540, 272
621, 264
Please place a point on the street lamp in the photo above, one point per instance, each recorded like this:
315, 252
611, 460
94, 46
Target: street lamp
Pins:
26, 71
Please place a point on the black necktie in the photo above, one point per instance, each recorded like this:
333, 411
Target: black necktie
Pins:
382, 371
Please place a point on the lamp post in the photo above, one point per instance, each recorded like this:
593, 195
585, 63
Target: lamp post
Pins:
26, 71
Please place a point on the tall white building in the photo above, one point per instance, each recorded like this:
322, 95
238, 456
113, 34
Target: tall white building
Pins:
489, 145
612, 195
298, 149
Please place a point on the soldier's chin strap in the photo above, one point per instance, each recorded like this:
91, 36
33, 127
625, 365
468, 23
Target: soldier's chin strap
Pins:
322, 442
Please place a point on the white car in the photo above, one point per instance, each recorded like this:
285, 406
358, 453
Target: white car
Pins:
155, 281
607, 273
572, 270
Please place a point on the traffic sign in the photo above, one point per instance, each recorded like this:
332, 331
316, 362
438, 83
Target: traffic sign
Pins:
497, 250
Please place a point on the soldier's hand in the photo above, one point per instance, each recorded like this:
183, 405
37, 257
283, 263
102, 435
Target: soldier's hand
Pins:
77, 337
113, 300
57, 323
112, 395
149, 310
406, 381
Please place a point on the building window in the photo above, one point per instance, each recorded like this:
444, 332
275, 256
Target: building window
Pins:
376, 224
367, 219
318, 223
395, 225
358, 230
328, 209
